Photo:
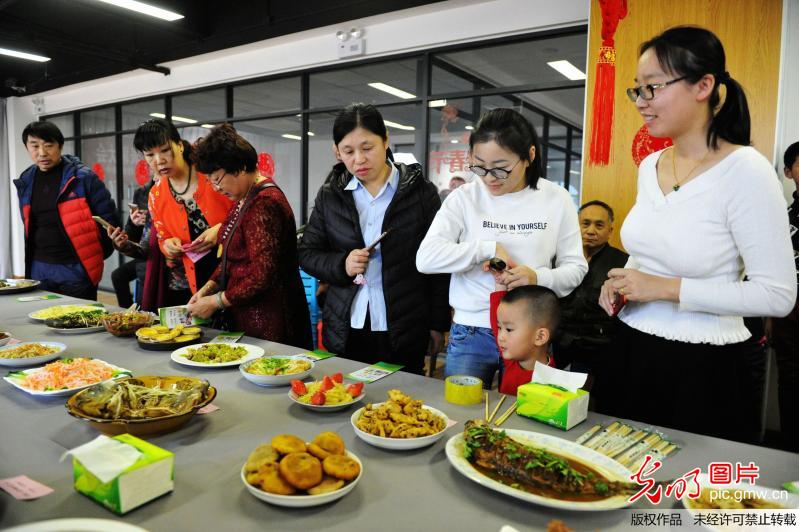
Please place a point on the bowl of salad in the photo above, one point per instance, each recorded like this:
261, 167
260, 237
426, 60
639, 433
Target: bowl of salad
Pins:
276, 370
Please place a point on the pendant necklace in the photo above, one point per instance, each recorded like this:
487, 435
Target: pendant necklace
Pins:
677, 183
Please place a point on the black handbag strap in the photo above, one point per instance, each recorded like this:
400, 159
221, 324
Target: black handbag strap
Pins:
250, 198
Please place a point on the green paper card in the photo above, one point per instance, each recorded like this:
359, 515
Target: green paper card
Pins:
374, 372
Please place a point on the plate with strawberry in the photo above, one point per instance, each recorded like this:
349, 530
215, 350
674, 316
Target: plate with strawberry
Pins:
329, 394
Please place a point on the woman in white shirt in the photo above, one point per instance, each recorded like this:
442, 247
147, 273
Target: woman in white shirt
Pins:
709, 210
510, 213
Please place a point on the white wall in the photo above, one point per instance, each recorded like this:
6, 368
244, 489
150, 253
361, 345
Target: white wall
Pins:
445, 23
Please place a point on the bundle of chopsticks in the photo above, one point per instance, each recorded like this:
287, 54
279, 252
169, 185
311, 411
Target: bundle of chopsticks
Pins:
626, 444
505, 415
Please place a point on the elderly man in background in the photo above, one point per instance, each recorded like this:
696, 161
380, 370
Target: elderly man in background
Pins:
586, 330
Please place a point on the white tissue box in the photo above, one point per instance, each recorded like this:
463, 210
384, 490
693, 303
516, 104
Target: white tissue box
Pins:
552, 405
151, 476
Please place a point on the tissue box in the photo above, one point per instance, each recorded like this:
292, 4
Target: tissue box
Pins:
150, 477
552, 405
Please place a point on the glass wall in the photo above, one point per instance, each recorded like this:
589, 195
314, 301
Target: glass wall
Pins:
430, 100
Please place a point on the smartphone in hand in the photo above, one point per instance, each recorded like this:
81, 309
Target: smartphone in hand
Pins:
377, 241
102, 222
618, 304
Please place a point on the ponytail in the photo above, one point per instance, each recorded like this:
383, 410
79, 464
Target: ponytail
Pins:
732, 121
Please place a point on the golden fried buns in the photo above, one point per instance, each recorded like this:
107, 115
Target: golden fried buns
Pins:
327, 485
301, 470
288, 443
317, 451
340, 466
272, 482
263, 454
330, 442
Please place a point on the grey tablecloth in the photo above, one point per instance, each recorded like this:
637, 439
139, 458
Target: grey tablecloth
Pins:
412, 490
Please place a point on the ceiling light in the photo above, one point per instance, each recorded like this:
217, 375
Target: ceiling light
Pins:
310, 133
567, 69
576, 172
24, 55
356, 33
290, 136
394, 91
342, 35
454, 141
437, 103
207, 126
145, 9
470, 128
176, 118
395, 125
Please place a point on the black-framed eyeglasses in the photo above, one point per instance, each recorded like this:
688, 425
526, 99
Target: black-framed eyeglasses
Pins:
217, 183
499, 173
647, 92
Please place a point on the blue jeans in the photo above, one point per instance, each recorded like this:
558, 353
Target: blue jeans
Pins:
65, 279
472, 351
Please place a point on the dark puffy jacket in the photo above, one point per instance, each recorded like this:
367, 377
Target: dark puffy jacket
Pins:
82, 195
415, 303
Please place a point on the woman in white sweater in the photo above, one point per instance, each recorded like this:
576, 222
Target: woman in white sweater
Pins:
508, 213
709, 211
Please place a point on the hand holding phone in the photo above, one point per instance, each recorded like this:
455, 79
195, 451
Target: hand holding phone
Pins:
102, 222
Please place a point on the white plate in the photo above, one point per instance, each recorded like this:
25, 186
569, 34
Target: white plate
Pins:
79, 330
253, 352
605, 465
32, 315
80, 524
325, 408
303, 501
274, 380
789, 502
32, 361
398, 444
120, 372
16, 288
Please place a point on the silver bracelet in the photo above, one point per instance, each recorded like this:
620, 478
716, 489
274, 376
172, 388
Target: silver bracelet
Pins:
219, 302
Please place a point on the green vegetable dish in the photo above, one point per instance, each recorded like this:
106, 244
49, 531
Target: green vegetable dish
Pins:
216, 354
274, 366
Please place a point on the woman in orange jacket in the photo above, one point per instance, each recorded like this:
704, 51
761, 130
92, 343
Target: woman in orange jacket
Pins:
186, 211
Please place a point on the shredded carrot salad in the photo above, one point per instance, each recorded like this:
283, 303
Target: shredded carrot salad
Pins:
63, 374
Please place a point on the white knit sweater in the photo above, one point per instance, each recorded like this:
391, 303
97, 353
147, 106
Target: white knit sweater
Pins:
727, 222
536, 227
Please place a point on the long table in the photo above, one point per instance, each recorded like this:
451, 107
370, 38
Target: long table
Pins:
410, 490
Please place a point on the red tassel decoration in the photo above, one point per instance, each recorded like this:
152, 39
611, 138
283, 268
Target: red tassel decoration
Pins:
605, 84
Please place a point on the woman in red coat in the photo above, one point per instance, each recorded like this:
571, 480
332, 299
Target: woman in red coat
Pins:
262, 289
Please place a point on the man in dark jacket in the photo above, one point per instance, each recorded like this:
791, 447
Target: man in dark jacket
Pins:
58, 195
416, 305
586, 330
135, 269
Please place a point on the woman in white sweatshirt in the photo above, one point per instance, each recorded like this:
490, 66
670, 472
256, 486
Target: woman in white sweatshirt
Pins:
507, 212
709, 210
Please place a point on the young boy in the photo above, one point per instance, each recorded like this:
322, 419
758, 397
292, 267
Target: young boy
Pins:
524, 322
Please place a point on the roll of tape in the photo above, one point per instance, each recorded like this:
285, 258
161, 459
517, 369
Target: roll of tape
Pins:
463, 390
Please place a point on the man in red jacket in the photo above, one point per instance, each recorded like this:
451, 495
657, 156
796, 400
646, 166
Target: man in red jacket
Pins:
58, 195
